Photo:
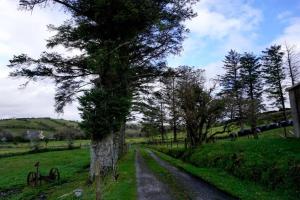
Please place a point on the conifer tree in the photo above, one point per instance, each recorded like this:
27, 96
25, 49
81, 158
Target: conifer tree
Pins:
169, 91
274, 75
123, 44
232, 86
250, 72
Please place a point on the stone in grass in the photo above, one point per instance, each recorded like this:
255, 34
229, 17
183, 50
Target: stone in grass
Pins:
78, 192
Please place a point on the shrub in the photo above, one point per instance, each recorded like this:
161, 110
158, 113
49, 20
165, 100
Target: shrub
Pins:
68, 133
6, 136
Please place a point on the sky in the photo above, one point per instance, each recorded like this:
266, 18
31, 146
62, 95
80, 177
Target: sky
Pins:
220, 25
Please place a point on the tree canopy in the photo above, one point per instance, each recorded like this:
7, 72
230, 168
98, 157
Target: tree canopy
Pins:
123, 44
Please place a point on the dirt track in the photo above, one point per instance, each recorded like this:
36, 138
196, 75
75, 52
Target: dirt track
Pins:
197, 188
149, 187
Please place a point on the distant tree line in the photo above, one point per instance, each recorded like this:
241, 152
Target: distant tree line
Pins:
183, 97
64, 133
247, 77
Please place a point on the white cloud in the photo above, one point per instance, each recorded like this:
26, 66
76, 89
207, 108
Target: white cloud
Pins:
214, 69
26, 32
219, 26
218, 18
290, 34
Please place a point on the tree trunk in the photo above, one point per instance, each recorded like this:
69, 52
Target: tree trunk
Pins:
174, 111
253, 110
95, 167
122, 139
174, 132
103, 157
162, 123
240, 111
283, 107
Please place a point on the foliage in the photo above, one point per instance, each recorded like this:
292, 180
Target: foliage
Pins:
68, 133
274, 77
35, 144
272, 61
123, 44
250, 73
5, 136
232, 87
169, 93
199, 106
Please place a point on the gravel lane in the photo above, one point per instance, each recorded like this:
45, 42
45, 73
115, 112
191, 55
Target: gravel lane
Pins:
149, 187
197, 188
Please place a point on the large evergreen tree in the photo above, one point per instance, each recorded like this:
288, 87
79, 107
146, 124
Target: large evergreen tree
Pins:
274, 75
153, 116
123, 43
232, 86
250, 71
169, 91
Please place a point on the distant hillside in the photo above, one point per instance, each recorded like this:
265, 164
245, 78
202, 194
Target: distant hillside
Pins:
19, 126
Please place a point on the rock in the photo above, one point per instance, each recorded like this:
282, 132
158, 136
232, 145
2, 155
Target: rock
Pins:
78, 192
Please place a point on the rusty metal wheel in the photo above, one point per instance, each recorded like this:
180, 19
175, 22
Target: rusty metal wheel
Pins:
32, 179
54, 174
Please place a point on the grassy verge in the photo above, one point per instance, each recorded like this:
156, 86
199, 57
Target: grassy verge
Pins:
243, 189
125, 186
73, 166
165, 176
272, 161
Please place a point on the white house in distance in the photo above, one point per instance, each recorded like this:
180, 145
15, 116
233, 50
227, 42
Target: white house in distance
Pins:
35, 135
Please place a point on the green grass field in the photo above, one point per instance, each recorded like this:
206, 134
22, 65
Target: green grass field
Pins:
267, 168
11, 148
73, 166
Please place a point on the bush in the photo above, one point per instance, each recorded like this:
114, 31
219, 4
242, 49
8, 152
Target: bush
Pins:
35, 144
6, 136
69, 134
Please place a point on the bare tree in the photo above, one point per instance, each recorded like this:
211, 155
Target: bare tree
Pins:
200, 108
292, 62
